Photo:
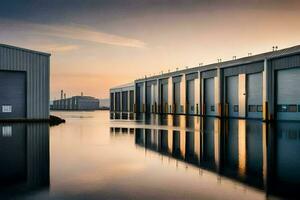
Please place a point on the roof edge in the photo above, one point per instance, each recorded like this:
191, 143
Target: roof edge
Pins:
25, 49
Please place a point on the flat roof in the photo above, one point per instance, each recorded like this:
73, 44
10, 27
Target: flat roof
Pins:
123, 86
232, 63
24, 49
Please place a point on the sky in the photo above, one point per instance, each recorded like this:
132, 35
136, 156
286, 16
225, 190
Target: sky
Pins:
99, 44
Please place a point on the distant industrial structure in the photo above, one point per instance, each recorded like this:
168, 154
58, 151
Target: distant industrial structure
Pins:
263, 86
75, 103
104, 104
24, 84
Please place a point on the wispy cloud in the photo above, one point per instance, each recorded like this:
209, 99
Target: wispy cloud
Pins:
73, 32
54, 47
89, 35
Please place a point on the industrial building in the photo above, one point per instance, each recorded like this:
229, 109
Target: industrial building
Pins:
122, 98
75, 103
24, 84
263, 86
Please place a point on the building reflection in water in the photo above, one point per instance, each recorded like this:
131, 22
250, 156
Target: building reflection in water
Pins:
24, 158
260, 155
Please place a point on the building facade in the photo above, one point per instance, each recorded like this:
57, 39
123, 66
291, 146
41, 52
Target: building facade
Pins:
76, 103
262, 86
122, 98
24, 83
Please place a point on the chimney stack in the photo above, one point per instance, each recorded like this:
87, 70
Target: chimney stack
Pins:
82, 94
65, 96
61, 94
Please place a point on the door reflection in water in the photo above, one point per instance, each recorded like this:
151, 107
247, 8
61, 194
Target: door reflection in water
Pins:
263, 156
24, 158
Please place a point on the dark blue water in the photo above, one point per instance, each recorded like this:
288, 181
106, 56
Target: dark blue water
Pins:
149, 157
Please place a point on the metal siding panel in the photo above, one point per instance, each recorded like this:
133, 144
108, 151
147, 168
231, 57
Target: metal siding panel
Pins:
286, 62
191, 76
254, 94
209, 74
232, 95
244, 69
176, 79
288, 91
209, 85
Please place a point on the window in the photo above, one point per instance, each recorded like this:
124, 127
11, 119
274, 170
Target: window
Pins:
298, 108
252, 108
6, 131
235, 108
6, 108
292, 108
212, 108
259, 108
281, 108
287, 108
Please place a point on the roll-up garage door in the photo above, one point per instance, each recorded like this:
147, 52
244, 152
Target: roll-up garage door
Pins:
209, 96
112, 100
190, 96
131, 100
288, 94
12, 94
148, 99
125, 101
232, 95
164, 97
176, 93
254, 95
139, 96
118, 101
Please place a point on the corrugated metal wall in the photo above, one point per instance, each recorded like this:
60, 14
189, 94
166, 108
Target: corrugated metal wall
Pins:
37, 68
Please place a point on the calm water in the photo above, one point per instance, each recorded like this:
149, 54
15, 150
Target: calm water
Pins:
153, 157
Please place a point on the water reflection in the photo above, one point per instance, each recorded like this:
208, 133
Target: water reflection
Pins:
263, 156
24, 158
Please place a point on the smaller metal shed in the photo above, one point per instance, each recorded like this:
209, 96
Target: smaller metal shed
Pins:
24, 83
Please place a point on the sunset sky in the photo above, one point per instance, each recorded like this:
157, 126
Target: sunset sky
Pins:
97, 44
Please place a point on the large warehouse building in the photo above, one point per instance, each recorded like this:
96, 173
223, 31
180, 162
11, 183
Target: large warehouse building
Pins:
76, 103
263, 86
24, 83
